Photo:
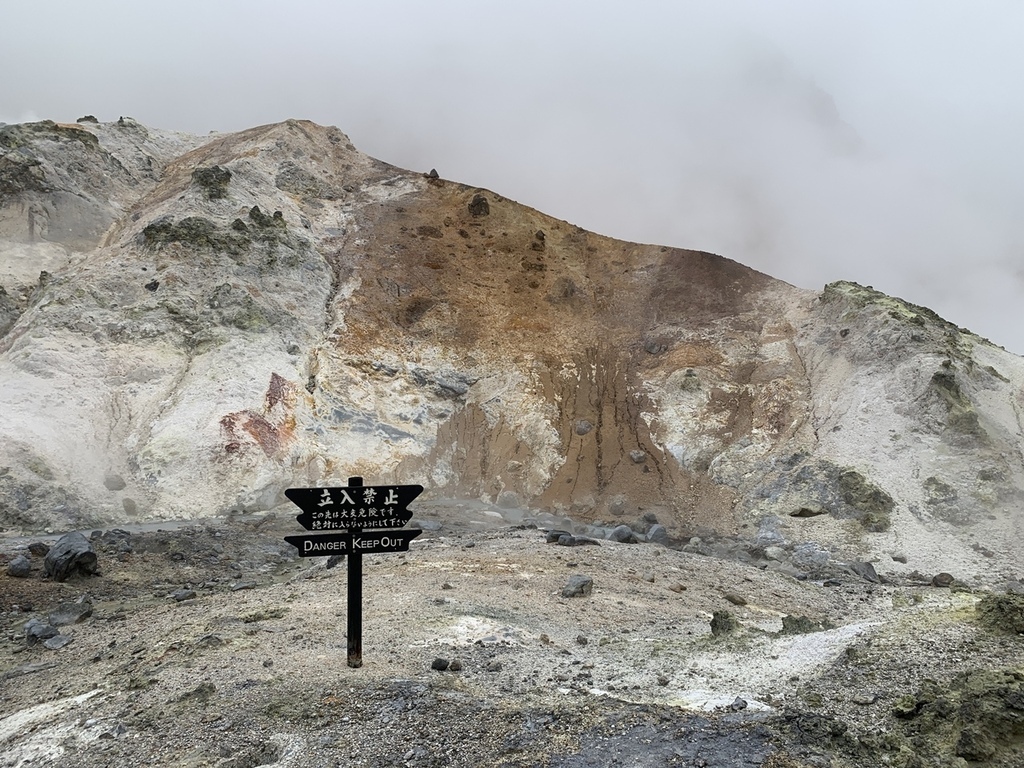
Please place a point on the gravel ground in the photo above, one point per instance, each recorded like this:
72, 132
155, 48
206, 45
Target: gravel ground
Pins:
213, 645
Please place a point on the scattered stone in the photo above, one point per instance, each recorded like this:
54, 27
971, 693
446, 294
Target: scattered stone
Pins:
637, 456
554, 536
439, 664
479, 206
810, 510
70, 613
447, 585
810, 556
677, 587
623, 534
56, 642
583, 427
866, 571
775, 554
899, 557
578, 586
181, 595
238, 586
662, 680
723, 623
657, 534
71, 554
39, 548
943, 580
210, 641
433, 174
113, 482
738, 704
455, 666
865, 698
152, 286
581, 640
268, 663
19, 567
649, 577
493, 666
831, 583
36, 630
735, 599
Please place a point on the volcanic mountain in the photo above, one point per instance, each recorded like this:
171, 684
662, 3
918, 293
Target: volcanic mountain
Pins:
190, 325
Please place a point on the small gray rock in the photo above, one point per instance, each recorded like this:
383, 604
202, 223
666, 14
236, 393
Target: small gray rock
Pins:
113, 482
439, 664
578, 586
19, 567
55, 642
866, 571
657, 534
183, 594
623, 534
70, 613
775, 554
36, 630
738, 704
455, 666
943, 580
637, 456
583, 427
39, 548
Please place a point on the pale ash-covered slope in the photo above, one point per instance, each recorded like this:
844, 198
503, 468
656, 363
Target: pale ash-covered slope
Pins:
273, 308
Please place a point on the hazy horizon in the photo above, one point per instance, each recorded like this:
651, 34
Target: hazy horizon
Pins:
868, 141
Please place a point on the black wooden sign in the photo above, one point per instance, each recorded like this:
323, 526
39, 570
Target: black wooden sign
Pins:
354, 507
367, 517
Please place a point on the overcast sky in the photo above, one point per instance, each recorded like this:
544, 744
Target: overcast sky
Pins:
813, 140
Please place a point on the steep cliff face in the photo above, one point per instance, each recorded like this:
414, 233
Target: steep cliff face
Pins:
223, 318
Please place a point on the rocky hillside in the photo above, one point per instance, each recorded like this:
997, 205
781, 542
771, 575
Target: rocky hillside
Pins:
190, 325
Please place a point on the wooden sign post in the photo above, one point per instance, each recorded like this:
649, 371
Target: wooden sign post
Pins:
366, 516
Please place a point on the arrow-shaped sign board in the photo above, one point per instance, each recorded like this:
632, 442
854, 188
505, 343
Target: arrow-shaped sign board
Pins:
354, 507
353, 543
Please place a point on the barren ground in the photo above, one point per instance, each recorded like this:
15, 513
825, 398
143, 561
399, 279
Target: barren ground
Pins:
252, 669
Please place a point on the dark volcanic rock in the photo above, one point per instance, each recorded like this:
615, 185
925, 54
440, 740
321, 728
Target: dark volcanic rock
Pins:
578, 586
19, 567
71, 554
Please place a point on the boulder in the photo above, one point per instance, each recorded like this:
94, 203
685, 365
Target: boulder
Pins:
19, 567
623, 534
578, 586
71, 554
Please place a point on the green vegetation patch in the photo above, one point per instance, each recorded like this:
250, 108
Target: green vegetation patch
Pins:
196, 232
213, 181
264, 614
1002, 613
874, 504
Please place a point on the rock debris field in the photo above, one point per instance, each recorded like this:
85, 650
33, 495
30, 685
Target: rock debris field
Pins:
487, 644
